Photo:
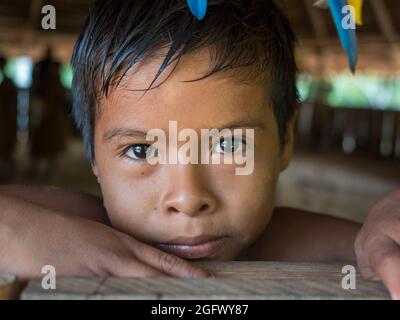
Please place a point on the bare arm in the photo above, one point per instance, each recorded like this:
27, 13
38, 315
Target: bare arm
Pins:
42, 226
56, 199
295, 235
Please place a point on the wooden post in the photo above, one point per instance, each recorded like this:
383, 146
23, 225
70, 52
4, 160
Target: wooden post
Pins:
8, 287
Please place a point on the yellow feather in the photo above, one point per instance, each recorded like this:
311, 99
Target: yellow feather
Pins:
357, 4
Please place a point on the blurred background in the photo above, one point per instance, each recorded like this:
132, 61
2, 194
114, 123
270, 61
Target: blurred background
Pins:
348, 143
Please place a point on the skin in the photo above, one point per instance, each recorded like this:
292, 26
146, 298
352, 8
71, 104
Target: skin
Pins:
144, 204
68, 230
188, 199
378, 244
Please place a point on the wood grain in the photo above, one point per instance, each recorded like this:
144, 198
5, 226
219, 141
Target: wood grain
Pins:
232, 280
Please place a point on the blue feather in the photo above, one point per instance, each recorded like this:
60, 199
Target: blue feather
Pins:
198, 8
347, 36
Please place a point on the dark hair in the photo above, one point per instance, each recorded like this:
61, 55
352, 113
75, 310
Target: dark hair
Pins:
246, 35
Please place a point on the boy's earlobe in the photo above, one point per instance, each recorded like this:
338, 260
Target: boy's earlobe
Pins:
287, 151
95, 170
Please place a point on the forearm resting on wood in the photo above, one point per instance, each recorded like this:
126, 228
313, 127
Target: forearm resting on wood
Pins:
56, 199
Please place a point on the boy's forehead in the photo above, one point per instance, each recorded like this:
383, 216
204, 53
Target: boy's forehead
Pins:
202, 103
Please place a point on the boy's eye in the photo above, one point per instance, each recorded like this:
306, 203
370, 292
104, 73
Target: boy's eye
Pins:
138, 151
229, 145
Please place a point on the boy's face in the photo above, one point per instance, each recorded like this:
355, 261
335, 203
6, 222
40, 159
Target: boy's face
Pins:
158, 204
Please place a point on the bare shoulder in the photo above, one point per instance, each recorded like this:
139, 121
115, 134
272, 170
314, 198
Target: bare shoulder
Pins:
61, 200
296, 235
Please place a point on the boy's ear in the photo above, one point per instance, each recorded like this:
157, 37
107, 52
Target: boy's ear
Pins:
94, 169
287, 151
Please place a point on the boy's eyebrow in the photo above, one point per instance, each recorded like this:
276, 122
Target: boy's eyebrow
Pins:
128, 132
244, 123
123, 132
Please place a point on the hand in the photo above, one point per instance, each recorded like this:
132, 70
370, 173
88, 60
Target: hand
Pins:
32, 237
377, 245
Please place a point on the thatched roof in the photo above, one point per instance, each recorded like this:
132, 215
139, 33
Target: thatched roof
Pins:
21, 33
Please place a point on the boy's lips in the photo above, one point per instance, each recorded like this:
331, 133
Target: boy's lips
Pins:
193, 248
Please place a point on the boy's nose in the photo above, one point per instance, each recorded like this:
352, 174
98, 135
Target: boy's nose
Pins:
187, 193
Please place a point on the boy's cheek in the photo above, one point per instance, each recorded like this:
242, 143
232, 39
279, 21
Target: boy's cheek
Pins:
125, 206
256, 208
132, 221
253, 223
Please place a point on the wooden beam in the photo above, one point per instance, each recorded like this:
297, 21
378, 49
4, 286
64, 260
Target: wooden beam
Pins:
386, 24
320, 30
232, 280
35, 11
34, 16
317, 22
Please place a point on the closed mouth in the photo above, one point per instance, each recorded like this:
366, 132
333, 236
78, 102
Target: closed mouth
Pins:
194, 248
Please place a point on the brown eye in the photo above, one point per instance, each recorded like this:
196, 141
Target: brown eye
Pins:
229, 145
138, 151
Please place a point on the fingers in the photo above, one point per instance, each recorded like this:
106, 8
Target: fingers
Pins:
386, 263
368, 273
171, 264
363, 259
135, 268
166, 263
